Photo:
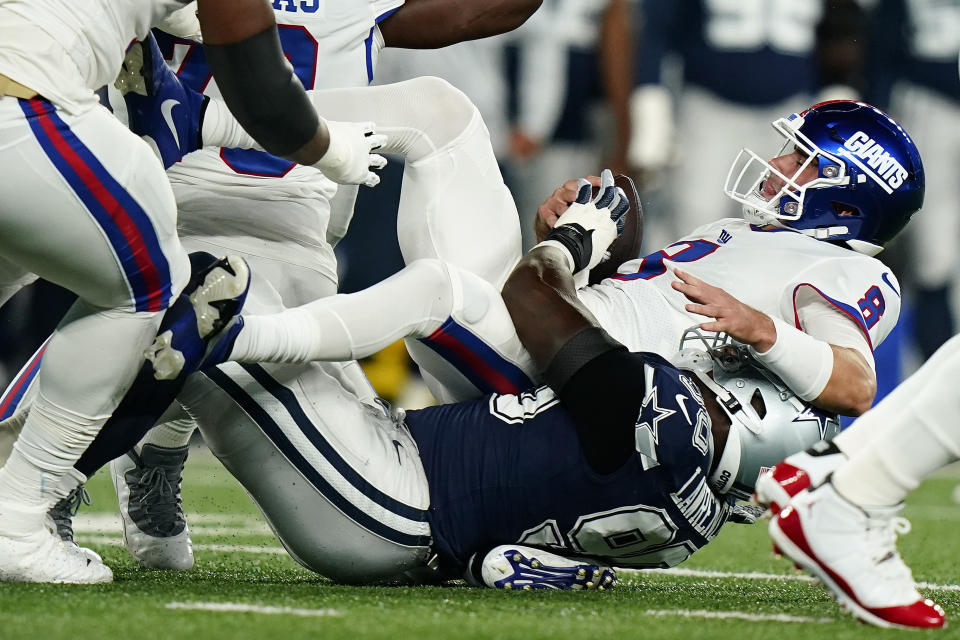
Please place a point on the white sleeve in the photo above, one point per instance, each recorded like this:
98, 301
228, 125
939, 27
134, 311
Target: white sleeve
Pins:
824, 321
861, 288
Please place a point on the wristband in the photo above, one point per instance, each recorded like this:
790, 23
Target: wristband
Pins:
578, 242
800, 360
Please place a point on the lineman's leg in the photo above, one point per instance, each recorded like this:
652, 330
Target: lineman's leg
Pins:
341, 485
458, 320
914, 433
454, 205
87, 207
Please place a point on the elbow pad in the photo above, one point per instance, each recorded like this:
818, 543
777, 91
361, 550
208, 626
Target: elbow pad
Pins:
264, 95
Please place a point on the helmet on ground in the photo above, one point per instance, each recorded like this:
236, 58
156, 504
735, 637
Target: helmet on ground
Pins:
869, 180
768, 422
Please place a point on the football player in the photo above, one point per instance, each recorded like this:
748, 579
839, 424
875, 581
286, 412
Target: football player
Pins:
800, 285
912, 69
837, 504
690, 125
613, 468
88, 207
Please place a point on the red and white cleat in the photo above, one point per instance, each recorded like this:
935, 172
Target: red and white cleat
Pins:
853, 552
800, 471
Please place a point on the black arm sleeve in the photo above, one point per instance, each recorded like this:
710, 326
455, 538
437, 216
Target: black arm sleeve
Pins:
601, 385
261, 91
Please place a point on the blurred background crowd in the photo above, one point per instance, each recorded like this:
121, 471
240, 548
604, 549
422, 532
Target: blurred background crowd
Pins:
668, 91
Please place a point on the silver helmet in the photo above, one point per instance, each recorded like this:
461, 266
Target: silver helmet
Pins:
768, 422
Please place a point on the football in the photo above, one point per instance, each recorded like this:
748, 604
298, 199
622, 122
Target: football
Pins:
627, 245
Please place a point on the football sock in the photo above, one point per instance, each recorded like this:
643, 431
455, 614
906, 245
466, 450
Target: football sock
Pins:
170, 434
413, 302
69, 409
918, 435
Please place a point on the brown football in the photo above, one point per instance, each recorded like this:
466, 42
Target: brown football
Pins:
627, 245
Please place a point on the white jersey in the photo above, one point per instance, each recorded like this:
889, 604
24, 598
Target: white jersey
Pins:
66, 49
775, 271
331, 44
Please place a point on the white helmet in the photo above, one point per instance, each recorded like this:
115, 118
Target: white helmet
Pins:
768, 422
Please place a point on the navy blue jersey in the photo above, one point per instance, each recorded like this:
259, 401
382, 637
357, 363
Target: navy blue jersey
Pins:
734, 50
916, 40
511, 469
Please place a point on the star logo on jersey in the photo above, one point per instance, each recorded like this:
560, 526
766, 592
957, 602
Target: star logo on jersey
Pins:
646, 432
815, 415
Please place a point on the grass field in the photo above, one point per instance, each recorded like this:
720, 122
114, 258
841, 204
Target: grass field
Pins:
244, 586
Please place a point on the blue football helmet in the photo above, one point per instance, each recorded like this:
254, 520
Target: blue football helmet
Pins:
869, 180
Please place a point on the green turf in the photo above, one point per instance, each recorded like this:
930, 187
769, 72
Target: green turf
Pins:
137, 604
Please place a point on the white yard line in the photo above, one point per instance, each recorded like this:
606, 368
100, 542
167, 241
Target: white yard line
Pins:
222, 548
209, 524
701, 573
735, 615
240, 607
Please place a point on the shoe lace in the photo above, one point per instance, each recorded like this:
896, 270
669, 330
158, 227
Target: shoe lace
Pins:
882, 540
62, 513
158, 492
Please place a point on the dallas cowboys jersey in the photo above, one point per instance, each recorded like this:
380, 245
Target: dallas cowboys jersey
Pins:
512, 469
64, 50
769, 270
726, 46
918, 41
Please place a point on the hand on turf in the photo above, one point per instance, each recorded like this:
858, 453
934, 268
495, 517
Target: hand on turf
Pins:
742, 322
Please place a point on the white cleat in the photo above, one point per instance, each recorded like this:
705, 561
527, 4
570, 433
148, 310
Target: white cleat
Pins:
797, 473
148, 491
526, 568
59, 520
29, 554
853, 552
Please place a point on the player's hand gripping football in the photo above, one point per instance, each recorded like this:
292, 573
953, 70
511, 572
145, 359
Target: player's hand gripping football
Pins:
350, 158
744, 323
588, 227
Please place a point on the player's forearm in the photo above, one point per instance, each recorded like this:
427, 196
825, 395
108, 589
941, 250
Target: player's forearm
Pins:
852, 385
244, 53
543, 304
430, 24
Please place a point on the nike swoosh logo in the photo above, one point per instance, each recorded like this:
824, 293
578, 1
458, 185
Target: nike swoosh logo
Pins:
886, 278
398, 446
682, 403
166, 110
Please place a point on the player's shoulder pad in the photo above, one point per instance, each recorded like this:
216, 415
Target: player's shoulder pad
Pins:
859, 286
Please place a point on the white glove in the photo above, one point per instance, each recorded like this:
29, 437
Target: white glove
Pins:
183, 23
350, 158
587, 228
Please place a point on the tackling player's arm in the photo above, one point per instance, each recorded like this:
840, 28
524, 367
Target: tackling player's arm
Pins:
430, 24
243, 51
832, 377
594, 375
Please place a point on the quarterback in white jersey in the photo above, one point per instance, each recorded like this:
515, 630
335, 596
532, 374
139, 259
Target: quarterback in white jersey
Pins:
806, 293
